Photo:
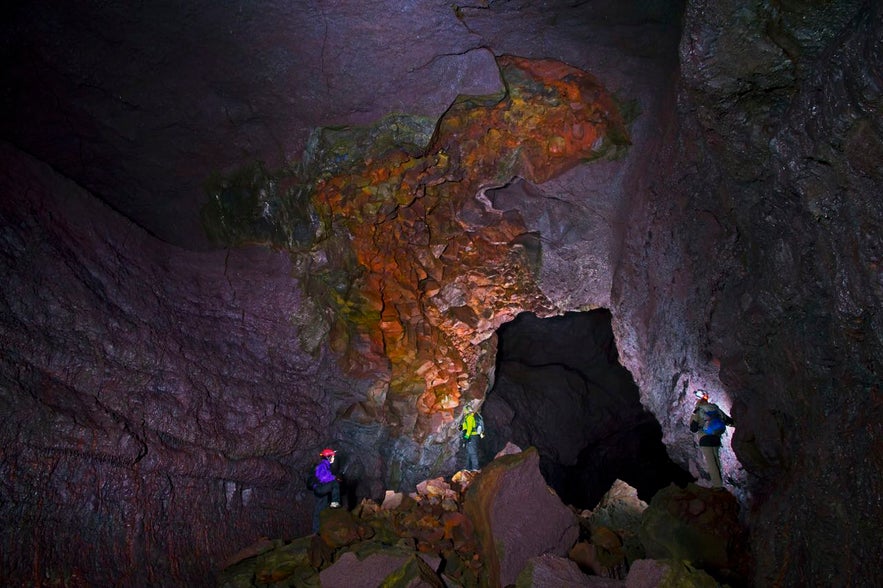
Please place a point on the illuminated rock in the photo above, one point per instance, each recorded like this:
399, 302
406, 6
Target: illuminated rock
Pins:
418, 266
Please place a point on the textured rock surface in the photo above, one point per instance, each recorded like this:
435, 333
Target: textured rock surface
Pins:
698, 525
374, 569
416, 265
517, 517
649, 573
559, 387
549, 571
140, 106
737, 244
179, 92
154, 401
761, 263
620, 511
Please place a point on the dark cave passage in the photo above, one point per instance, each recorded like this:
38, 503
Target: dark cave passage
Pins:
560, 388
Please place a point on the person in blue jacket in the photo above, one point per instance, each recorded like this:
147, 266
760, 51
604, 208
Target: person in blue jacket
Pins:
326, 486
710, 422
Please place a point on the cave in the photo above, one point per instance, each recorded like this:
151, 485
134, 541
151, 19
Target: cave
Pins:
559, 387
231, 236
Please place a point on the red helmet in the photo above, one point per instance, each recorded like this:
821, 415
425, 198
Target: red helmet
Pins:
327, 452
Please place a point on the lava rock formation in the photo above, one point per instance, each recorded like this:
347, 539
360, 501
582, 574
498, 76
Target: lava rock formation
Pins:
161, 393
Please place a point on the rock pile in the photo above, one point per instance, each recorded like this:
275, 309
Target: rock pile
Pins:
502, 526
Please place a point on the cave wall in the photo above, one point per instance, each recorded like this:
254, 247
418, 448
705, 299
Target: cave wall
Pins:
158, 405
139, 106
559, 387
737, 244
753, 253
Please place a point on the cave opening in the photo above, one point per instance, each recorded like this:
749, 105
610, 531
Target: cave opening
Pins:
559, 387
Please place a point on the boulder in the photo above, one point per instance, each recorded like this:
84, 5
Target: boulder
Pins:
391, 500
698, 525
650, 573
517, 516
620, 508
585, 556
509, 449
262, 545
286, 563
391, 568
621, 511
277, 562
434, 488
339, 528
609, 552
550, 571
463, 478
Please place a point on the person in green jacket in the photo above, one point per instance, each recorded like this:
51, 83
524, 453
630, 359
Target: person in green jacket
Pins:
471, 433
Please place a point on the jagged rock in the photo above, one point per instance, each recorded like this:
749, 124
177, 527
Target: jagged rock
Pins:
560, 388
620, 507
290, 563
262, 545
464, 478
391, 500
508, 449
437, 491
621, 511
339, 528
584, 555
285, 561
609, 552
549, 571
458, 527
649, 573
699, 525
517, 516
391, 568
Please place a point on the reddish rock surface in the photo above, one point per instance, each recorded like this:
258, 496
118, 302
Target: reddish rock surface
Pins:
517, 517
439, 268
159, 405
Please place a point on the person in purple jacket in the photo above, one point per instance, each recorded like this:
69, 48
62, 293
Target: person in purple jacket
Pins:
326, 486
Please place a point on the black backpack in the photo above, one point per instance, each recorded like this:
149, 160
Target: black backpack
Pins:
310, 479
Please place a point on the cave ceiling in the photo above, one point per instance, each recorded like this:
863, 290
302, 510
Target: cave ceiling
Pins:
142, 104
428, 175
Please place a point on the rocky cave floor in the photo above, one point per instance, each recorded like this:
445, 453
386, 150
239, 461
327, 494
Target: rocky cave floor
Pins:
503, 526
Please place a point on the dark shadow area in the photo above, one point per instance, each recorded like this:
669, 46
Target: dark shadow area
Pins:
560, 388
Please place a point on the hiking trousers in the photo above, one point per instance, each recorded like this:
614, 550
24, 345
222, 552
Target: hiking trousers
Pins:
472, 453
325, 494
713, 465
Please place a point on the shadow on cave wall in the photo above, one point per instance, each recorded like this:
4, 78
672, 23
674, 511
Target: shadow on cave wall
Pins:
560, 388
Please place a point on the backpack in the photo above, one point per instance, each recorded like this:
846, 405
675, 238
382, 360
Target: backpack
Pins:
310, 479
714, 422
479, 425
